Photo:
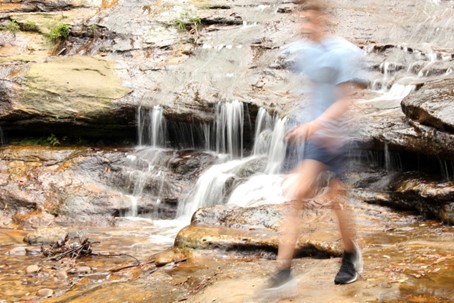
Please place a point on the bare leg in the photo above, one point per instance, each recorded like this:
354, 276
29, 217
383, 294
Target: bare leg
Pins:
299, 187
336, 194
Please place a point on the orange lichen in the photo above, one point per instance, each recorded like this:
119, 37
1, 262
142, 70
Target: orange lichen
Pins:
108, 3
13, 73
22, 217
9, 6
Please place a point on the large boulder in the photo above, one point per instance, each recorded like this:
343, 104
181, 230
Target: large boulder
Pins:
68, 95
255, 231
432, 105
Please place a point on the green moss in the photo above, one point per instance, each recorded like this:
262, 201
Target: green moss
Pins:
53, 140
30, 26
92, 30
59, 32
11, 26
187, 23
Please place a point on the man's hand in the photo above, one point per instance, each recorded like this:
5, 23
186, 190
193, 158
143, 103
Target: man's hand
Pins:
302, 132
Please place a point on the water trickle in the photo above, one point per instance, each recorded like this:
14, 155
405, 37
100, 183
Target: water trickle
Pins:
399, 91
447, 169
151, 128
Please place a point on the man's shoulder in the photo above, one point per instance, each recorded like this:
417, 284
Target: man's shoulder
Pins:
343, 47
295, 47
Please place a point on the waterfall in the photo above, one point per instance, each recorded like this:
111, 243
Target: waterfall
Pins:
399, 91
263, 125
276, 152
269, 140
151, 128
256, 174
229, 128
151, 133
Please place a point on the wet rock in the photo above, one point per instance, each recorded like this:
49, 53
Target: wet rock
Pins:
437, 68
45, 292
229, 20
410, 192
432, 105
170, 256
44, 6
46, 236
32, 269
385, 126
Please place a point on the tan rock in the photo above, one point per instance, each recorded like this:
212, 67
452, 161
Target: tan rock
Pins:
45, 292
32, 269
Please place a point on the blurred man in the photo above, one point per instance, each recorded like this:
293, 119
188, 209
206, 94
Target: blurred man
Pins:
332, 66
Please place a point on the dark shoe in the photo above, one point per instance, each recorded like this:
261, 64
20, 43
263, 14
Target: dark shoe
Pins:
280, 285
351, 268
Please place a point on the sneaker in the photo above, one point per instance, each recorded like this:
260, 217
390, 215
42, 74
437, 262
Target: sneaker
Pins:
351, 268
281, 285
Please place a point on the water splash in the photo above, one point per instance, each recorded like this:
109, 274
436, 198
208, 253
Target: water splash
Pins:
210, 188
258, 190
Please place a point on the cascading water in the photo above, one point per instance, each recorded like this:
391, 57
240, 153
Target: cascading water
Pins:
229, 128
151, 133
256, 174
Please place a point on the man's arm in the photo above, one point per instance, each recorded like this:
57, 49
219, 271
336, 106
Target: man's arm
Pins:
335, 111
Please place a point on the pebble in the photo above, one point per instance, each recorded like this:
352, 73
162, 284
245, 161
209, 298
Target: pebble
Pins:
18, 251
32, 269
33, 250
80, 270
62, 275
45, 292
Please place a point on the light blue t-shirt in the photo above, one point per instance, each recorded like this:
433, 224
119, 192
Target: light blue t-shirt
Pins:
327, 64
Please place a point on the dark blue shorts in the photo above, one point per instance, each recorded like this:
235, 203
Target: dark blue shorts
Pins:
334, 160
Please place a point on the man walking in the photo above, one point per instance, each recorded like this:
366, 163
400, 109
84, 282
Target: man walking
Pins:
332, 66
